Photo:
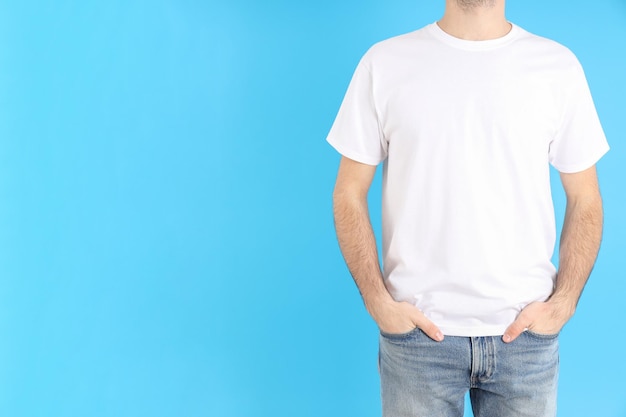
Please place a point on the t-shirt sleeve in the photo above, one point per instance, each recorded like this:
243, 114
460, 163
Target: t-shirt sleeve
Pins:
580, 141
356, 132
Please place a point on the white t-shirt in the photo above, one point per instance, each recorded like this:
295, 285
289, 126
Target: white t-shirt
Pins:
467, 130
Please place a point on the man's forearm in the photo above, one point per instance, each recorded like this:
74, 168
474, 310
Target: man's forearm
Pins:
358, 246
580, 243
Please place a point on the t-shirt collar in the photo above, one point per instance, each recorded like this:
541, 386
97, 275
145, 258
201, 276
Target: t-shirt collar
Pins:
445, 37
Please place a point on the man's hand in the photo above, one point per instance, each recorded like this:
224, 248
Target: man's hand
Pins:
401, 317
547, 317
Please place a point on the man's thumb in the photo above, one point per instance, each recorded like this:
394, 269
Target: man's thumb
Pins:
514, 330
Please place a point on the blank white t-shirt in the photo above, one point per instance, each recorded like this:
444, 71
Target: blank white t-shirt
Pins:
466, 131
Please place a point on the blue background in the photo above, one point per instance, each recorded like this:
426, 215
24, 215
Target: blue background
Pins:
166, 238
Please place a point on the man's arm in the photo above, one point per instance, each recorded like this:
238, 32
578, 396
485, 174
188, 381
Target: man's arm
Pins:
358, 246
580, 242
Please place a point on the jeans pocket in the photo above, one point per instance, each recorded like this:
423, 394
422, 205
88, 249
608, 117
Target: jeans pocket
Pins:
541, 335
400, 336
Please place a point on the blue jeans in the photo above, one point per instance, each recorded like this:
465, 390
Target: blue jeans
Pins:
424, 378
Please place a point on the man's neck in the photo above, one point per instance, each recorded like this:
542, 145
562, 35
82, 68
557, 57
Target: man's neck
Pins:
475, 23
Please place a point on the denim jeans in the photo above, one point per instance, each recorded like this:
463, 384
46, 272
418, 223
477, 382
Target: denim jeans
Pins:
424, 378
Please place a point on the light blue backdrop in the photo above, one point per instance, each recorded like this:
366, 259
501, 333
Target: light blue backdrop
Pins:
166, 239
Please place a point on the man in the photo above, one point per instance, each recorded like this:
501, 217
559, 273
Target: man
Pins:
467, 114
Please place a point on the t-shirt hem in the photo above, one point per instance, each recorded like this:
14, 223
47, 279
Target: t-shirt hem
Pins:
573, 168
480, 331
355, 156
